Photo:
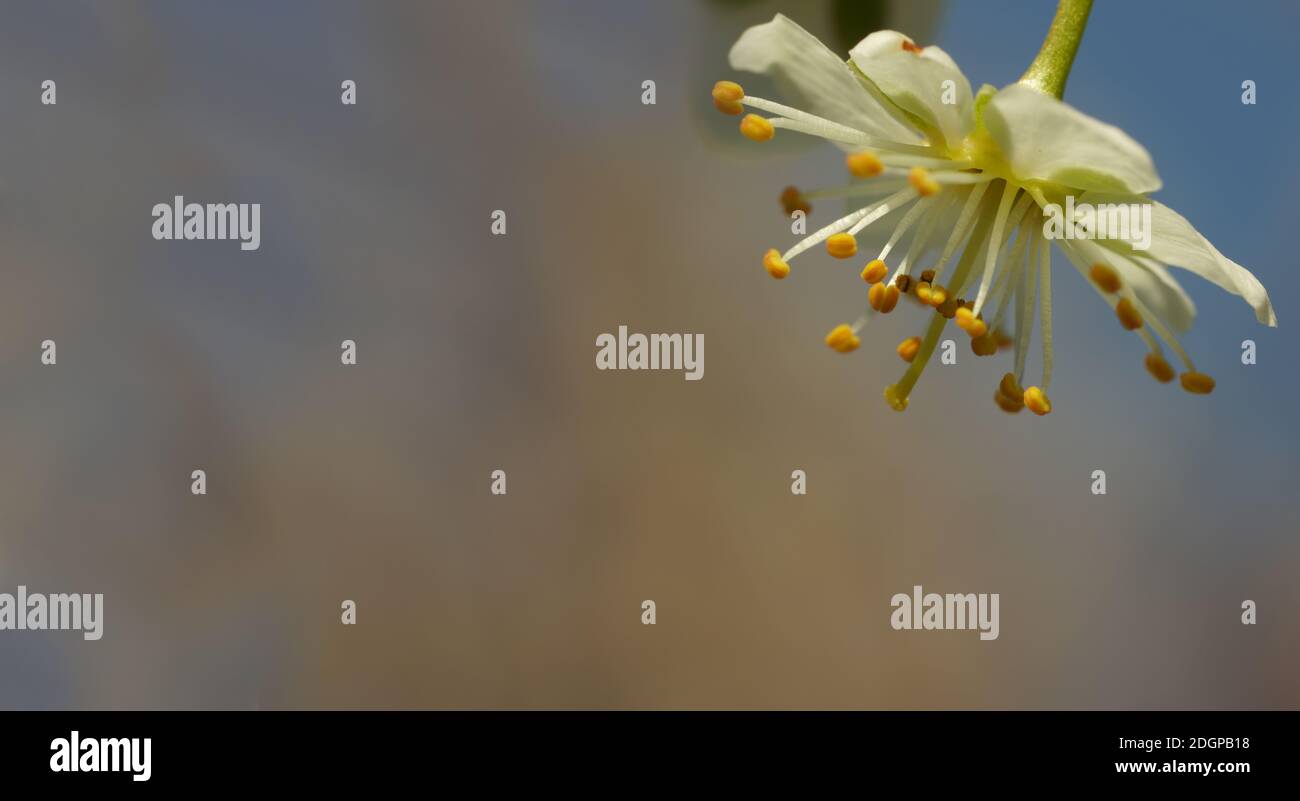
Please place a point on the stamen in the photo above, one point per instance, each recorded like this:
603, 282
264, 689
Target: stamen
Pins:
1129, 317
968, 322
1009, 396
986, 345
907, 349
912, 215
964, 222
1105, 277
883, 208
1159, 368
1037, 401
874, 272
1025, 313
912, 47
793, 200
1008, 405
1002, 285
842, 339
922, 238
1045, 311
727, 96
756, 128
1010, 387
1197, 383
896, 394
864, 164
834, 228
775, 265
1004, 227
1136, 307
923, 182
896, 401
1164, 333
842, 246
889, 300
797, 120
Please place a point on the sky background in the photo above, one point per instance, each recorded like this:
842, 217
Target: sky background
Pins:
476, 353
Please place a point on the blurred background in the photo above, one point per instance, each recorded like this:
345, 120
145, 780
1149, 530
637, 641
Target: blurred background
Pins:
476, 353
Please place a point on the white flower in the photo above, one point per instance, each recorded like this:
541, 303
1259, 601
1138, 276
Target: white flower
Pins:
969, 176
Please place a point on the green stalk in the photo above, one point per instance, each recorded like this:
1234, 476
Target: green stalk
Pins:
1052, 64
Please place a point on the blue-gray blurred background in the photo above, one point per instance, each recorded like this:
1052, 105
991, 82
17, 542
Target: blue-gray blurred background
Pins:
476, 352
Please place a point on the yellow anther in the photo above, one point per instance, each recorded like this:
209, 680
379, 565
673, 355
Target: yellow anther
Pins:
985, 345
895, 402
1008, 405
923, 182
876, 296
874, 272
1105, 277
908, 348
727, 96
1009, 387
792, 200
842, 246
842, 339
1129, 317
864, 164
1037, 401
1159, 368
968, 322
756, 128
775, 265
923, 292
890, 299
1197, 383
939, 296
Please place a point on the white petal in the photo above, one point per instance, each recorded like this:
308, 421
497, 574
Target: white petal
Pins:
1155, 287
917, 82
1046, 139
817, 80
1174, 241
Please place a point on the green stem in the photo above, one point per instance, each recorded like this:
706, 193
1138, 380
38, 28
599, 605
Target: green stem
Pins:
1052, 64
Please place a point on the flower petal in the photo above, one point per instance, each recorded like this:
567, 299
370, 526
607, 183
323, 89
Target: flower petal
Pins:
815, 79
915, 79
1174, 241
1045, 139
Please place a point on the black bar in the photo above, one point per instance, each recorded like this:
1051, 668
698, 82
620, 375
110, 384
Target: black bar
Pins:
368, 750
